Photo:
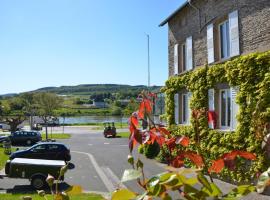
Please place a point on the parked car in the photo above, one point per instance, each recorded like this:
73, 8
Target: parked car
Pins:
36, 170
3, 138
44, 150
25, 137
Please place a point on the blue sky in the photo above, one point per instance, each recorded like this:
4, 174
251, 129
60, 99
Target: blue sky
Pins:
70, 42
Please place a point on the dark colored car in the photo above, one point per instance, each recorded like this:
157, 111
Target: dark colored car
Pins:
25, 137
3, 138
44, 150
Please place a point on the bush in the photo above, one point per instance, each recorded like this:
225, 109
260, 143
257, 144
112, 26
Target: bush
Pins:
141, 149
151, 150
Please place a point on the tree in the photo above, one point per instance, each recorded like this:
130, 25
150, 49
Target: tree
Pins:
46, 104
11, 112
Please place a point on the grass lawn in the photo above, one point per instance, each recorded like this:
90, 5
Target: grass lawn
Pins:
123, 134
3, 158
56, 135
49, 197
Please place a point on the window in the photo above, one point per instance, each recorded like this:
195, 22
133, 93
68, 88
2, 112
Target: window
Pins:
225, 108
224, 40
183, 56
185, 108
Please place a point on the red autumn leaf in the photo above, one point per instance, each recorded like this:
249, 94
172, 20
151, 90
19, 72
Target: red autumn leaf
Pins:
217, 166
171, 143
230, 156
194, 157
141, 111
134, 121
247, 155
184, 141
160, 139
164, 131
152, 138
147, 105
177, 162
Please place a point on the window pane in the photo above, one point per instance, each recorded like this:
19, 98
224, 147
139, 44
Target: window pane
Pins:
224, 40
184, 108
229, 107
184, 57
223, 108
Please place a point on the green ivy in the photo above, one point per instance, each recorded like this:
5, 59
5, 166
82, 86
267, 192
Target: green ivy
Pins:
251, 73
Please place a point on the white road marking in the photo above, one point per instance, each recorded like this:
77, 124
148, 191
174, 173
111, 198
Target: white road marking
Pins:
90, 144
106, 143
115, 180
99, 171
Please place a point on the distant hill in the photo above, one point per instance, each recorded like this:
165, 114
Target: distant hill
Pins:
89, 89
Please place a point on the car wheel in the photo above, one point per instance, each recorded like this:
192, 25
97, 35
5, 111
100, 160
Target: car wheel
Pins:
38, 182
28, 142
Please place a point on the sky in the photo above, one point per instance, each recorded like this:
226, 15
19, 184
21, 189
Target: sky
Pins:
70, 42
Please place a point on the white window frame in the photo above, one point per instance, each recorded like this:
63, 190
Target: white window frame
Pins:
227, 39
227, 92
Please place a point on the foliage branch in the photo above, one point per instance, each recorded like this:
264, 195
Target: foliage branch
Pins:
176, 178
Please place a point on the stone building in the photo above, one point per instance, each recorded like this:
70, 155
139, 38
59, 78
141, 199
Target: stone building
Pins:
207, 32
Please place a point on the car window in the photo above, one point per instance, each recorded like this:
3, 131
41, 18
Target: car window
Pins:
53, 147
39, 148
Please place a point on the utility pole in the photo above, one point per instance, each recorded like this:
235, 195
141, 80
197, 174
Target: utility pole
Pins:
148, 59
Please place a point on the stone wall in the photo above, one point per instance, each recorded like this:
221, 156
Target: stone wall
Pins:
254, 26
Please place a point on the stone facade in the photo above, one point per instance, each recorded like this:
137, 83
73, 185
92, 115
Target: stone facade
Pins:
253, 19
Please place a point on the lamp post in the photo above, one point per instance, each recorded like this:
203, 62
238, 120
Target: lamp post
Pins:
148, 59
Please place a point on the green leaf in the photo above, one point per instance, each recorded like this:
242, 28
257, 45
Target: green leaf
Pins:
240, 191
214, 192
263, 181
123, 194
172, 181
191, 181
153, 182
139, 164
130, 174
203, 180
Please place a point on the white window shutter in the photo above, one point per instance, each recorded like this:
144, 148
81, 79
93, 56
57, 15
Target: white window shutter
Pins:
189, 56
234, 107
210, 43
211, 100
175, 62
189, 95
176, 108
234, 34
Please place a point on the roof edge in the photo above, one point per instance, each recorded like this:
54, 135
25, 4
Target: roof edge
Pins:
173, 14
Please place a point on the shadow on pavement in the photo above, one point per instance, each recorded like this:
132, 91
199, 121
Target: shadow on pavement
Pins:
28, 189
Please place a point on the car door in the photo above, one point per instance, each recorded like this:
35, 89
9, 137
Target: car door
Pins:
38, 152
54, 152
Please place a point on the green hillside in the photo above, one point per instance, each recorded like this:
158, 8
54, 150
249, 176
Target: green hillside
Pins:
89, 89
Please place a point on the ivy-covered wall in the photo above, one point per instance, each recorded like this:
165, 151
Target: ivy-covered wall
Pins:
251, 73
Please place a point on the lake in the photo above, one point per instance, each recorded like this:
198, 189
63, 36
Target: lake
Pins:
95, 119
